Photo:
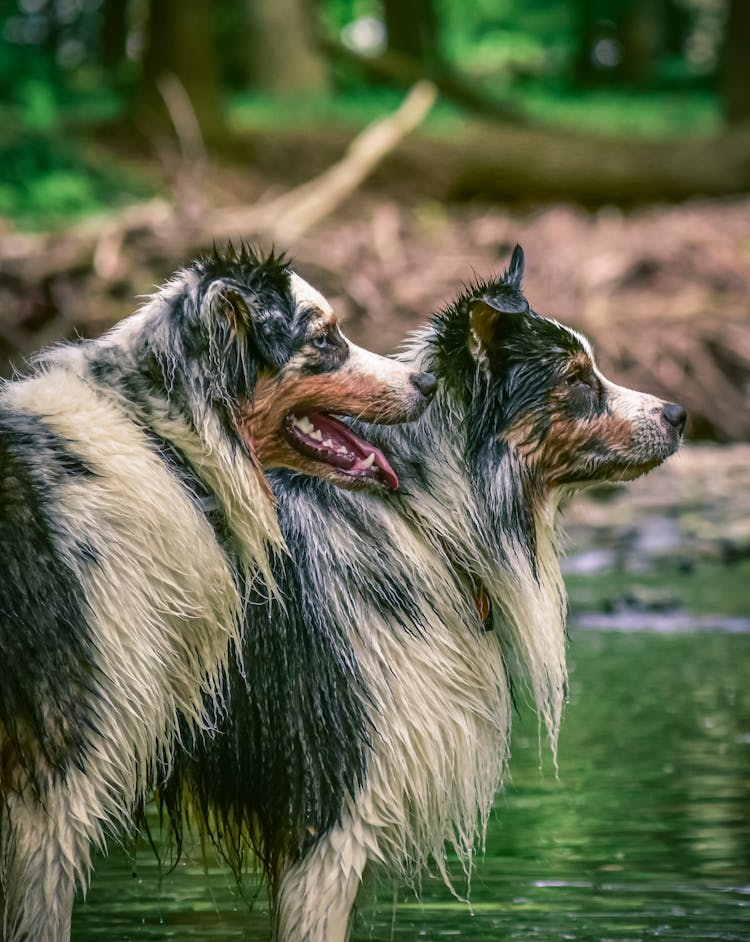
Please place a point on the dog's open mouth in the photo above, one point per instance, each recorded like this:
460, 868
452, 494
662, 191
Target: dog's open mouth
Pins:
319, 436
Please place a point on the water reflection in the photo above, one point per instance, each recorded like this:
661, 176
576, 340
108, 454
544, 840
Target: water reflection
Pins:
645, 834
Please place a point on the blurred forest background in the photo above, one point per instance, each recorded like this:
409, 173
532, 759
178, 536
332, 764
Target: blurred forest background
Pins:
610, 137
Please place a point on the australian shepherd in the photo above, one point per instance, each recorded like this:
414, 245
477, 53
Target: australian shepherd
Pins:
135, 524
371, 722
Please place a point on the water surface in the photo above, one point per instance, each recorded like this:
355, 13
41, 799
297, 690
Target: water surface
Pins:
644, 834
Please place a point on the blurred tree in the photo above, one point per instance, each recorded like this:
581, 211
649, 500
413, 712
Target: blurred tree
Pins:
737, 63
620, 41
113, 35
413, 30
283, 56
642, 36
588, 32
178, 44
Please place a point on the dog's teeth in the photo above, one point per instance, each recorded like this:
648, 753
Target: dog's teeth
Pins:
343, 450
303, 424
328, 443
317, 435
369, 461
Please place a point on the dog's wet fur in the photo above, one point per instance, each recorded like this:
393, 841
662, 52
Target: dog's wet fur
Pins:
135, 522
371, 720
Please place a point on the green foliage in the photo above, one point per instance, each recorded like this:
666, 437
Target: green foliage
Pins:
47, 182
619, 111
58, 78
351, 106
538, 35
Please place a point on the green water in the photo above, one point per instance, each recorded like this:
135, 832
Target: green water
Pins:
644, 834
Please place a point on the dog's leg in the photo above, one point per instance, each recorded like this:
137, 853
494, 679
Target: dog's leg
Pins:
44, 853
316, 894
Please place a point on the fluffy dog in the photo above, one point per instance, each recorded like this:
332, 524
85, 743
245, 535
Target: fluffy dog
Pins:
371, 724
134, 520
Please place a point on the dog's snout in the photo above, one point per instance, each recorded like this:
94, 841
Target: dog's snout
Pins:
425, 383
675, 415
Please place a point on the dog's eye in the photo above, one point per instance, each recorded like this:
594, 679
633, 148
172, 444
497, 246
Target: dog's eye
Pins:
578, 379
320, 341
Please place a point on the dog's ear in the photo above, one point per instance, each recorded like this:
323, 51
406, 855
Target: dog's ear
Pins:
265, 329
491, 320
494, 315
514, 274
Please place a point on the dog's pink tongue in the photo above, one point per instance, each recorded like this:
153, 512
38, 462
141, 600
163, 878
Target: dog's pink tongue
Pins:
366, 456
379, 460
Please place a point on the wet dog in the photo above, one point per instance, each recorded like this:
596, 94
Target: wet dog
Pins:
135, 520
372, 722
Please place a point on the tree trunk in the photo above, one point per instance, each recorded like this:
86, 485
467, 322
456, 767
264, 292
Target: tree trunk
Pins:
413, 30
642, 34
584, 71
737, 63
533, 164
284, 58
179, 45
113, 35
539, 164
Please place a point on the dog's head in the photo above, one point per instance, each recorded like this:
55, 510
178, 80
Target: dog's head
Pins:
533, 387
279, 367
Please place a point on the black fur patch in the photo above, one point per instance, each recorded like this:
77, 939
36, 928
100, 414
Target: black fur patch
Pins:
293, 742
263, 284
295, 737
205, 502
43, 630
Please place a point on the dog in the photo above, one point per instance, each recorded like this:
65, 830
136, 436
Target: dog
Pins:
135, 521
371, 722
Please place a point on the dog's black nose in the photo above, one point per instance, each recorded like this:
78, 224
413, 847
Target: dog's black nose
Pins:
675, 415
425, 383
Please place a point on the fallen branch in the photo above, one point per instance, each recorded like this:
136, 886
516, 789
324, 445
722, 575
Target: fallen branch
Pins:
293, 213
100, 242
184, 120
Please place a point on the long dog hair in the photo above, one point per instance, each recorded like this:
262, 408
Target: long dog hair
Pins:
135, 521
371, 723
